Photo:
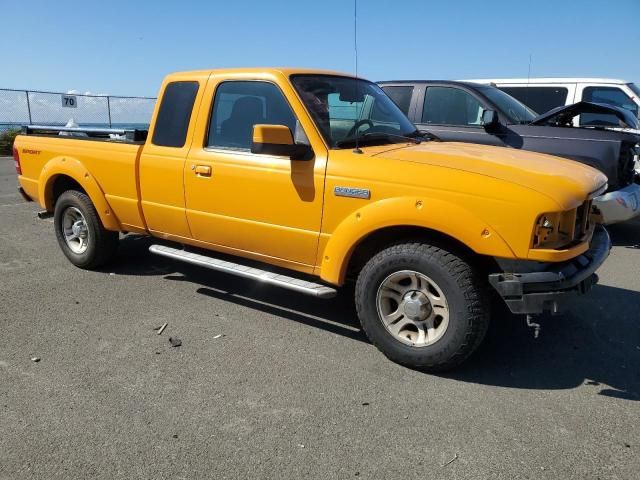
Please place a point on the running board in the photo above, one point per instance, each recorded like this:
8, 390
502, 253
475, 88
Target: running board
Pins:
310, 288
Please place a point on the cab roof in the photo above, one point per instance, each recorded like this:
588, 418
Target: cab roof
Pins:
615, 81
262, 70
433, 82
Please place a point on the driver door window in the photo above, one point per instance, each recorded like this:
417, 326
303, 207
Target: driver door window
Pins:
239, 105
451, 106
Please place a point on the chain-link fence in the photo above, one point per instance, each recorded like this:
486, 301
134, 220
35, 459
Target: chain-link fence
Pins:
26, 107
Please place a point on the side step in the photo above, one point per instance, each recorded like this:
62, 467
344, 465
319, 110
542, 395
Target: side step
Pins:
302, 286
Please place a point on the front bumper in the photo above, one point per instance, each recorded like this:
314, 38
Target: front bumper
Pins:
547, 288
619, 206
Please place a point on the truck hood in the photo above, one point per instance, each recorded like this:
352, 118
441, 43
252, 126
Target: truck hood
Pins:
564, 115
565, 181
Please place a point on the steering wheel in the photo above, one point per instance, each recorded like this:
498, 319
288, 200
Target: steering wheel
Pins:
357, 125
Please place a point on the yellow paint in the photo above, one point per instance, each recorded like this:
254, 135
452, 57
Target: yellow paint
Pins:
285, 212
262, 204
162, 190
272, 134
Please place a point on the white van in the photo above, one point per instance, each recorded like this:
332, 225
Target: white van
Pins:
543, 94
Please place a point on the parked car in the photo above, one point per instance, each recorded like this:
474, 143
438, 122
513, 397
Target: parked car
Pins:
271, 165
544, 94
471, 112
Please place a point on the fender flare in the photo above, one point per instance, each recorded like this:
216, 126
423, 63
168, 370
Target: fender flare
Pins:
74, 169
429, 213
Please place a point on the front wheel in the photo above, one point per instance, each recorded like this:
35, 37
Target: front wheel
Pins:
422, 306
80, 233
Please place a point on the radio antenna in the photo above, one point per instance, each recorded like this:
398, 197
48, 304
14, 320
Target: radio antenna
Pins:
526, 94
355, 52
355, 33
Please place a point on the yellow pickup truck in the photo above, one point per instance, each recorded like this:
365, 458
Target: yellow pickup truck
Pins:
311, 179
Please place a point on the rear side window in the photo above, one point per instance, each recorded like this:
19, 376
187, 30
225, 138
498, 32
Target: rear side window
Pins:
539, 99
451, 106
611, 96
239, 105
174, 114
401, 96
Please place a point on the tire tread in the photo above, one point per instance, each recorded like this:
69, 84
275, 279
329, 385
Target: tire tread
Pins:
467, 279
106, 241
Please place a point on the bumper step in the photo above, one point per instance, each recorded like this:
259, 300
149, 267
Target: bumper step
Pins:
303, 286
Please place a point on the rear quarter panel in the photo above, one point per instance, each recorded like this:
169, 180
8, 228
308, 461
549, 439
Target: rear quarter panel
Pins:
106, 171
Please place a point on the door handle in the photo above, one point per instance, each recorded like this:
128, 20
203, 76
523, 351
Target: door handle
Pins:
203, 170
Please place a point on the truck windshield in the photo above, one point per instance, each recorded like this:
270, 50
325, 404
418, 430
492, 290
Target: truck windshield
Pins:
346, 108
516, 111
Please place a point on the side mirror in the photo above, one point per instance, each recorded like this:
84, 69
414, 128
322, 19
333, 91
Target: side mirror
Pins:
278, 140
490, 119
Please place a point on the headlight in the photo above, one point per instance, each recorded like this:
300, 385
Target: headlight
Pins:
559, 230
555, 230
545, 234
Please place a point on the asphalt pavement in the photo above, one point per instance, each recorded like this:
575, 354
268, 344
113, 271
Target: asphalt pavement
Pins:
273, 384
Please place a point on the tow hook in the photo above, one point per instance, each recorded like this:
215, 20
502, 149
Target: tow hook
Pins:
536, 326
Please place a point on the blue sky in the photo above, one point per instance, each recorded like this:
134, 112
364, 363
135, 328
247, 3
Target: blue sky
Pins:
126, 47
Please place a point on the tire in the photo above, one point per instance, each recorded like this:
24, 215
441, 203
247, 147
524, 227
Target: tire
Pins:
93, 246
443, 292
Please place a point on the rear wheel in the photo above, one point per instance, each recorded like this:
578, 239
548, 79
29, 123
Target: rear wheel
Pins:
80, 233
422, 306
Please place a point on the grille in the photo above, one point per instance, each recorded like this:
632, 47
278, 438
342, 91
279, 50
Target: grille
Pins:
582, 221
626, 163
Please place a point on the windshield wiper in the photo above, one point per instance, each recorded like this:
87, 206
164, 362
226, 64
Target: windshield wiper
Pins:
408, 137
376, 136
424, 134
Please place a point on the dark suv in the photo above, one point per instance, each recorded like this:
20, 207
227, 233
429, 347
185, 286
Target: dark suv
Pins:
475, 113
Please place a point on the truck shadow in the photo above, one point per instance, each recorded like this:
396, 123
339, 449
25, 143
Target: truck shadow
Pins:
336, 315
596, 343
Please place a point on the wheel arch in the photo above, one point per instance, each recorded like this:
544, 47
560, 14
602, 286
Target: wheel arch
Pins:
391, 221
61, 174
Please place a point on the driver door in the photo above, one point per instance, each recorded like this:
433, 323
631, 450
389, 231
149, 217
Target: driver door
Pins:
257, 204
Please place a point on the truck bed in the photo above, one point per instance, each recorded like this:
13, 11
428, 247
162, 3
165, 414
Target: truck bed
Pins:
110, 163
137, 136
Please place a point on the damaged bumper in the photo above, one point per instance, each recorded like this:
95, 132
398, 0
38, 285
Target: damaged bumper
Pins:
619, 206
548, 285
